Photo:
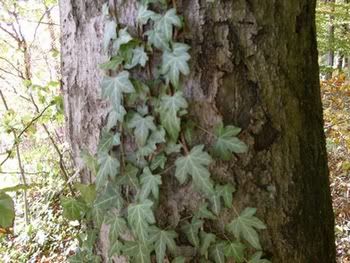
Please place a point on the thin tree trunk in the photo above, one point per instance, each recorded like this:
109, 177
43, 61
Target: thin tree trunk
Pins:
254, 65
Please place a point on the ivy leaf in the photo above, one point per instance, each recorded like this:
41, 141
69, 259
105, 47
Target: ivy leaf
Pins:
109, 198
73, 208
162, 240
171, 147
175, 62
226, 191
142, 126
108, 140
191, 231
129, 177
115, 248
150, 184
117, 226
256, 258
166, 22
115, 115
156, 137
108, 167
87, 191
178, 260
158, 162
244, 227
196, 164
114, 87
110, 33
139, 56
206, 240
157, 39
123, 38
98, 215
234, 250
215, 203
169, 107
216, 252
226, 142
204, 213
139, 217
90, 161
7, 210
139, 252
144, 14
113, 63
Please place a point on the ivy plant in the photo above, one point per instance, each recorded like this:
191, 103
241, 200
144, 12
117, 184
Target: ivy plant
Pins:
148, 106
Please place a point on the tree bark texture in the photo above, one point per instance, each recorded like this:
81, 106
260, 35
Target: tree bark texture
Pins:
254, 65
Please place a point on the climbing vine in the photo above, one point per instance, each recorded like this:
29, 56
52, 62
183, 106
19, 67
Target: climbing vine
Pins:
145, 141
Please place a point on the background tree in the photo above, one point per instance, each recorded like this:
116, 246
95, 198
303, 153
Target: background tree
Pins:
253, 65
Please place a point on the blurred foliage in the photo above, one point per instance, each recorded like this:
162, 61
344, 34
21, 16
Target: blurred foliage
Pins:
336, 101
30, 86
333, 31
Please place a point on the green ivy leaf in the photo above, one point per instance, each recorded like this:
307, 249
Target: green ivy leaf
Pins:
109, 166
115, 115
129, 177
108, 140
115, 248
226, 191
113, 63
98, 214
142, 126
117, 227
87, 191
175, 62
7, 210
191, 231
90, 161
178, 260
109, 198
139, 57
157, 39
256, 258
110, 33
215, 203
158, 162
226, 142
150, 184
144, 14
139, 252
244, 226
114, 87
169, 107
162, 240
204, 213
166, 22
196, 164
216, 252
206, 240
234, 250
123, 38
73, 209
139, 217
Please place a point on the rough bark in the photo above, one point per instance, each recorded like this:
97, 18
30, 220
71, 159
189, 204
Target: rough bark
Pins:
254, 65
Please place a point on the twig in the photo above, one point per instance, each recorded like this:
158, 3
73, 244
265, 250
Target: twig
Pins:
23, 131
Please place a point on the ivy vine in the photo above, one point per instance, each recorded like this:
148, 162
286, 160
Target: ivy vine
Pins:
144, 140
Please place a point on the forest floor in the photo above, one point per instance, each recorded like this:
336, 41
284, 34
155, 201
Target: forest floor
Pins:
336, 103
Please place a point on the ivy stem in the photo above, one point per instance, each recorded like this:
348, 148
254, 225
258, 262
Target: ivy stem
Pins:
206, 131
184, 144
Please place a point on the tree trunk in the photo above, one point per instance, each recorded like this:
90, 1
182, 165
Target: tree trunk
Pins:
254, 65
